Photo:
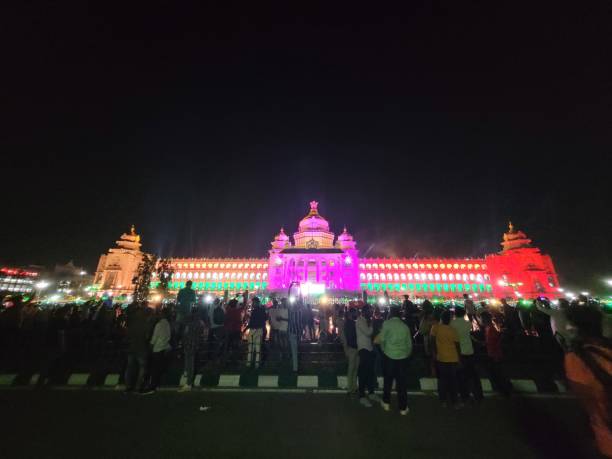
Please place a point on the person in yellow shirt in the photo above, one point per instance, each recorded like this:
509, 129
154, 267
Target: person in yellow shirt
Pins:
446, 352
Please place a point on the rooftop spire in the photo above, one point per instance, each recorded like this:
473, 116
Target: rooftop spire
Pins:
313, 208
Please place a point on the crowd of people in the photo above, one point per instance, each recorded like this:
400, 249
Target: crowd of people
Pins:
457, 342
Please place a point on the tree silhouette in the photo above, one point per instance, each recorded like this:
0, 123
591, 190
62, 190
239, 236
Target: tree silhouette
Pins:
142, 281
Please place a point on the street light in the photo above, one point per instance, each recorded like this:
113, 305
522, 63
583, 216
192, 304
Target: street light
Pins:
40, 286
609, 282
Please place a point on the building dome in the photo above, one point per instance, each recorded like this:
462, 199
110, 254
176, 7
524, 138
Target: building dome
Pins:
281, 236
345, 240
281, 240
313, 231
345, 236
313, 221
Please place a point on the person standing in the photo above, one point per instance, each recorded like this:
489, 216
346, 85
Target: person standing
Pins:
467, 375
185, 301
273, 324
446, 351
469, 307
351, 350
396, 342
494, 360
160, 348
138, 331
194, 329
411, 315
558, 321
588, 366
232, 327
216, 320
282, 323
365, 349
256, 325
295, 328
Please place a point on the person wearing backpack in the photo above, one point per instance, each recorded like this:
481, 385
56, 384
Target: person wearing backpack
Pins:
588, 368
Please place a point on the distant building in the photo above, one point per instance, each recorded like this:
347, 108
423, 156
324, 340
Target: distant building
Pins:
317, 261
16, 280
71, 279
117, 268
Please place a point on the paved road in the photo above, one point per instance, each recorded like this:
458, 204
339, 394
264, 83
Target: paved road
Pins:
91, 424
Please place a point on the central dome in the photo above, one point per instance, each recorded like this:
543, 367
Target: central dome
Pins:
313, 221
313, 231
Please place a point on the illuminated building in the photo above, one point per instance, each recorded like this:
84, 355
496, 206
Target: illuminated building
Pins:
317, 261
117, 269
18, 280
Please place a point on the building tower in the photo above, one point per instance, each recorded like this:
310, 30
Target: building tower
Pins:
117, 269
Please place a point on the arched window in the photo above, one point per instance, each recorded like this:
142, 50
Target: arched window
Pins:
403, 276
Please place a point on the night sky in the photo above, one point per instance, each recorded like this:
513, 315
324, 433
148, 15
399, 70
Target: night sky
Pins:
423, 130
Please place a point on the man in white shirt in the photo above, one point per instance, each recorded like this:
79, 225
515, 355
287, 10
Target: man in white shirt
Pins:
281, 321
160, 347
467, 375
560, 326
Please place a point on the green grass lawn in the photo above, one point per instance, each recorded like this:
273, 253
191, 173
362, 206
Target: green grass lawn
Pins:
92, 424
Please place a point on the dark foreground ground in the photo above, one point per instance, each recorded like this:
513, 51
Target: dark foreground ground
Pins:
92, 424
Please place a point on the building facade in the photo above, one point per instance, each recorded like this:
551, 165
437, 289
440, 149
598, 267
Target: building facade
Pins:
116, 269
317, 262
